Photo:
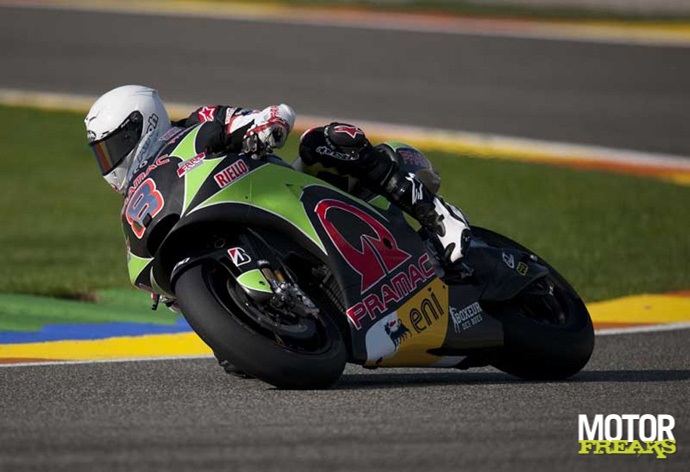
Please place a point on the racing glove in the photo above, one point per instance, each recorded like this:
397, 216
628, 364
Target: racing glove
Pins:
262, 130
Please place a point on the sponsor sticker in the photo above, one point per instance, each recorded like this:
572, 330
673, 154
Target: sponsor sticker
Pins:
509, 260
326, 151
522, 268
467, 317
239, 256
404, 337
206, 114
412, 156
384, 338
186, 166
171, 133
377, 256
352, 131
630, 434
134, 185
396, 331
231, 173
392, 292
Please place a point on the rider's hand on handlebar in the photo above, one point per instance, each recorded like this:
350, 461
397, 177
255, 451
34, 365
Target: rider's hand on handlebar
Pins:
270, 130
252, 146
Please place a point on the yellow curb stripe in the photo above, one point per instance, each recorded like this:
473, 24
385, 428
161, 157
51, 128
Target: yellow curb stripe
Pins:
160, 345
642, 309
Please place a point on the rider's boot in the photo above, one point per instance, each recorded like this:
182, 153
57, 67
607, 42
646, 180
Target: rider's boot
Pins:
446, 222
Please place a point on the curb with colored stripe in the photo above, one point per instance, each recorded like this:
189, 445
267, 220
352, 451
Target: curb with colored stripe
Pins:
95, 341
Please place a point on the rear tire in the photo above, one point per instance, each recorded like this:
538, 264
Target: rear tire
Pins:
546, 337
538, 351
221, 320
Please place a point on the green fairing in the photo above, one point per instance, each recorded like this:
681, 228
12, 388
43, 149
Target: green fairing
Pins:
186, 150
254, 280
381, 202
277, 190
195, 179
136, 265
187, 147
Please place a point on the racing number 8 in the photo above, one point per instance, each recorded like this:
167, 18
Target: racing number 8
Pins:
144, 205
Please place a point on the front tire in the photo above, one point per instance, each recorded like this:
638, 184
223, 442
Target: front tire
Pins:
209, 299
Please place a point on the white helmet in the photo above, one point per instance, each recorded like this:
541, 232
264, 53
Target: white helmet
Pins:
122, 126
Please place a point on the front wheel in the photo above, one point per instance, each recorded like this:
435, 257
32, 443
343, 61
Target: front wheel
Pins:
283, 350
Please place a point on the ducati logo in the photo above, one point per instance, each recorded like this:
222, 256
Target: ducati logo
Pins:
375, 256
353, 131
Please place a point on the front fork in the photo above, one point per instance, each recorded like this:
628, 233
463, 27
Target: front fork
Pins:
262, 281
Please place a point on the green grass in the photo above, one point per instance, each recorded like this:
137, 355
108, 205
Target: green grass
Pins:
31, 313
59, 220
459, 7
610, 235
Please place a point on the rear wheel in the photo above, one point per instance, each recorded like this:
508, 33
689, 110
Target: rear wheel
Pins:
263, 341
548, 333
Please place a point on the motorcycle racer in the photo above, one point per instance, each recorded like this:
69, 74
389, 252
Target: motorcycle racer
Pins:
128, 125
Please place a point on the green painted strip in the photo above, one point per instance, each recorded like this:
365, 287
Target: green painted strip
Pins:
254, 280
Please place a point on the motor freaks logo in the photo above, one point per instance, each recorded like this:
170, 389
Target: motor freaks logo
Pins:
627, 434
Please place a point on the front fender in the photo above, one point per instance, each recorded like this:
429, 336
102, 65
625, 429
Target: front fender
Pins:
200, 233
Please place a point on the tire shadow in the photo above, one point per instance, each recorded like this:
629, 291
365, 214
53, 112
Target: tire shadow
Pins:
425, 379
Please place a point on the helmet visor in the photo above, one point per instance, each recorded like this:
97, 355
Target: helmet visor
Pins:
111, 150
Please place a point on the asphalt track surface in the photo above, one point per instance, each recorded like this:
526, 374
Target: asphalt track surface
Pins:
622, 96
187, 415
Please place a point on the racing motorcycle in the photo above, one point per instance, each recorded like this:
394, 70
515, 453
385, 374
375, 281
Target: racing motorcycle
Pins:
289, 277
